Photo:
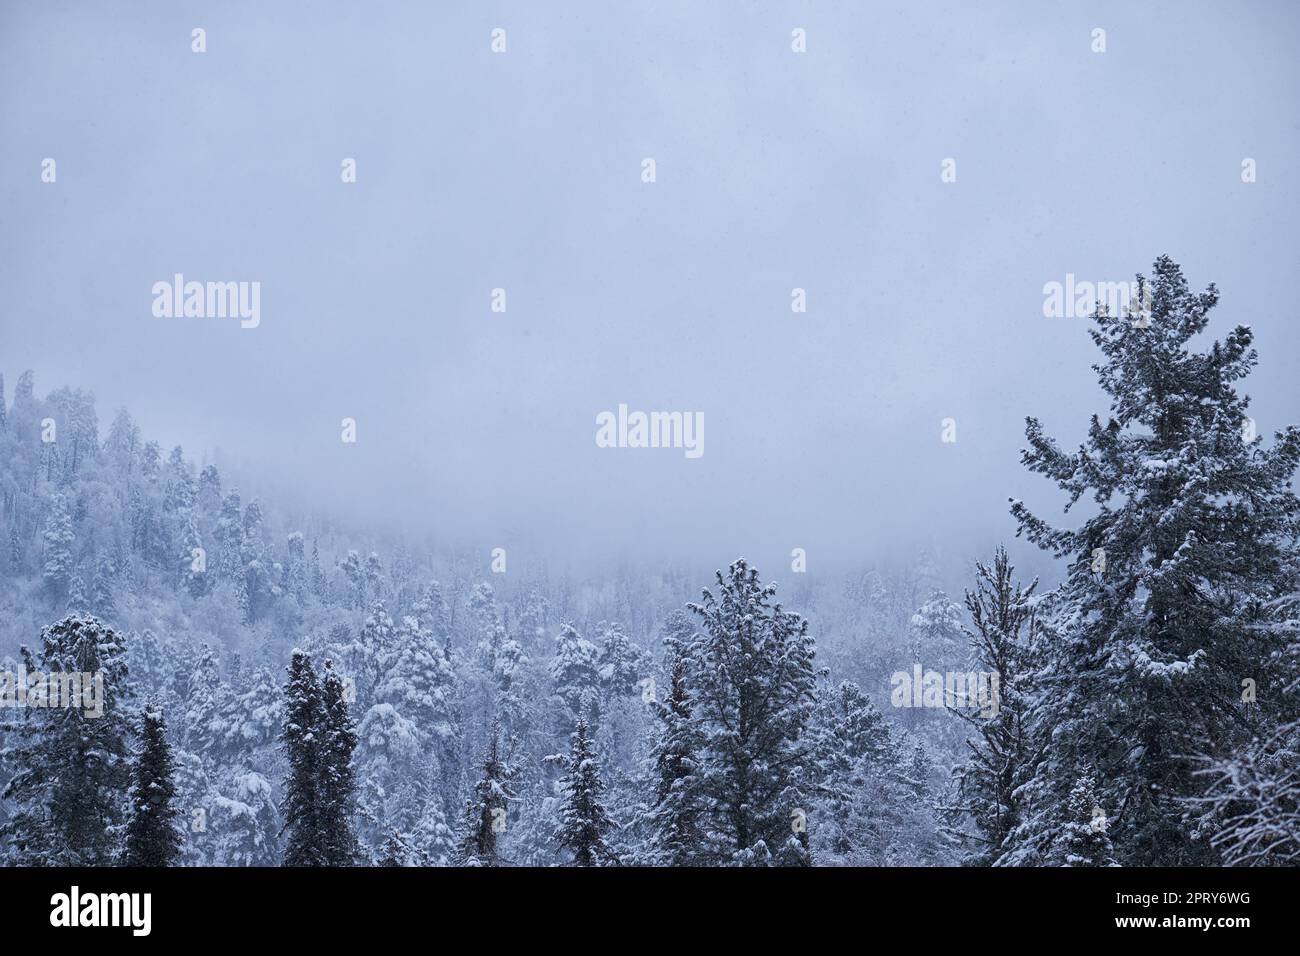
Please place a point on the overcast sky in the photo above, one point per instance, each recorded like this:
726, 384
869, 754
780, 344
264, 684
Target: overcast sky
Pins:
522, 170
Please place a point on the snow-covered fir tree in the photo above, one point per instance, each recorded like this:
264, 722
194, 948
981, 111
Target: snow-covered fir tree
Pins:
487, 809
394, 852
338, 787
152, 834
205, 701
302, 805
1174, 583
999, 757
575, 675
1084, 840
58, 568
244, 826
675, 812
584, 823
432, 840
69, 790
752, 669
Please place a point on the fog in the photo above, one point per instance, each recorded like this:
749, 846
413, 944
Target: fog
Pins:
522, 171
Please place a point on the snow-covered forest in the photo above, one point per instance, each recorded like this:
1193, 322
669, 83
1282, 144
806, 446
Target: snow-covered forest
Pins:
288, 690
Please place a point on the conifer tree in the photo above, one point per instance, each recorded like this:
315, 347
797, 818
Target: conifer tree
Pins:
253, 720
423, 686
72, 762
394, 852
58, 569
317, 575
621, 664
858, 792
1085, 841
355, 574
675, 812
229, 535
1173, 584
583, 819
208, 496
77, 601
102, 601
999, 757
369, 657
485, 811
374, 573
753, 665
205, 700
432, 840
123, 441
193, 562
180, 492
575, 675
152, 837
434, 614
294, 581
303, 738
246, 824
15, 549
338, 789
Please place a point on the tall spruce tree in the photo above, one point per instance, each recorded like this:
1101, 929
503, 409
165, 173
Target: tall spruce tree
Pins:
755, 691
675, 813
857, 807
584, 821
338, 788
152, 836
1173, 583
71, 761
999, 758
485, 811
303, 737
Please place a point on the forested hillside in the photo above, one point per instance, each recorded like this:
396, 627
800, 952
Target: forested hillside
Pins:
442, 663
